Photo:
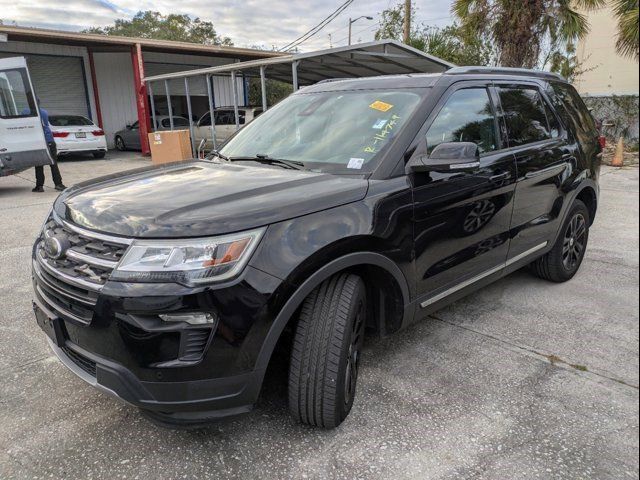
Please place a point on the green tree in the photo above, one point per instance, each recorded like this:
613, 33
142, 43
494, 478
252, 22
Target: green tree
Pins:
150, 24
450, 43
522, 30
627, 13
276, 91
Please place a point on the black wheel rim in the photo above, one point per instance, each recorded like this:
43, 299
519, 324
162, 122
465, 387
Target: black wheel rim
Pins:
353, 358
574, 242
478, 216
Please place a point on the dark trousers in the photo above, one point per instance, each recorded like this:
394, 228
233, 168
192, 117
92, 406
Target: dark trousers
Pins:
55, 171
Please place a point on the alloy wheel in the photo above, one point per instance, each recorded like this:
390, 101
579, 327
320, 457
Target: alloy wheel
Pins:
574, 242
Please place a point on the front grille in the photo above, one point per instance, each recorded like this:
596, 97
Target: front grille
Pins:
69, 285
90, 258
81, 361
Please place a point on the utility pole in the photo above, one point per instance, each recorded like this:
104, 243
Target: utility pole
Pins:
351, 22
407, 22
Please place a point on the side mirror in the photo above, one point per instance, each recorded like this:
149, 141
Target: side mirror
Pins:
448, 157
129, 126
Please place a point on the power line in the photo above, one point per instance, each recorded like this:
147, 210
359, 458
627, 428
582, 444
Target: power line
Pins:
303, 38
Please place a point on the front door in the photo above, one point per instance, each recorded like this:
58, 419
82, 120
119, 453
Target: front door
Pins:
462, 220
22, 142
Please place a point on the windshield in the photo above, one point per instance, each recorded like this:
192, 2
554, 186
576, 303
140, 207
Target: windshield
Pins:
344, 131
69, 121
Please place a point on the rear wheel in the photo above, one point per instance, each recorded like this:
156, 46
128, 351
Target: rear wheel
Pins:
563, 261
326, 352
99, 154
120, 144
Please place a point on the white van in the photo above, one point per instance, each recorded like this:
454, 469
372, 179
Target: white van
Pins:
22, 142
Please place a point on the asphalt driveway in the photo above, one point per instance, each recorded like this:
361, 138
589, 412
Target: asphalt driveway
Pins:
524, 379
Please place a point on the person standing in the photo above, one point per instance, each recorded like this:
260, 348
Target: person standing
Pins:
53, 151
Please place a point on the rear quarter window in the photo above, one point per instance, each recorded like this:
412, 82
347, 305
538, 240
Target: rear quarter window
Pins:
572, 109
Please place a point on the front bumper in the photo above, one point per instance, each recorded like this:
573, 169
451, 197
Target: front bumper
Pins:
171, 403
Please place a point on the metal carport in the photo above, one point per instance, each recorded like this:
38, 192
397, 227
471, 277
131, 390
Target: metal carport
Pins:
382, 57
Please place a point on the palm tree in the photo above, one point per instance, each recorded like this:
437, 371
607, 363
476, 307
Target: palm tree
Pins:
521, 29
627, 13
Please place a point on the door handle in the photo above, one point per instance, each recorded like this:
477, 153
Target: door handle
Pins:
500, 176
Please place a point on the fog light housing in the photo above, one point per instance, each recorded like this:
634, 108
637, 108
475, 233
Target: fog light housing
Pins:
192, 318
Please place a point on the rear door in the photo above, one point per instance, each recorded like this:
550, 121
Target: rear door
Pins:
544, 160
462, 219
22, 142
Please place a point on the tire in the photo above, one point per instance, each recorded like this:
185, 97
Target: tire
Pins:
323, 369
99, 155
120, 144
563, 261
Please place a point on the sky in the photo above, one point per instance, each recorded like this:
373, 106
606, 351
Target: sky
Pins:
264, 23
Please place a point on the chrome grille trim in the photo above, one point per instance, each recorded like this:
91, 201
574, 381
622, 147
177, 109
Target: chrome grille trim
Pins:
90, 302
63, 312
99, 262
90, 234
78, 282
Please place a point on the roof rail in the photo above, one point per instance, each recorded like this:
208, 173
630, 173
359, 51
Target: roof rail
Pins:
525, 72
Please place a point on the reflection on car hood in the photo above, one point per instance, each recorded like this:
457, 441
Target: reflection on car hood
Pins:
190, 199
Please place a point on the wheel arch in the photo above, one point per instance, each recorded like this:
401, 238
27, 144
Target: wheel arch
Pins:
358, 262
587, 194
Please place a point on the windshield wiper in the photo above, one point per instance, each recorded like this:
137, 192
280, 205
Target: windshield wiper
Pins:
263, 158
216, 153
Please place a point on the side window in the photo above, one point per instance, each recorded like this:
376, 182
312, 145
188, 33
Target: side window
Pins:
180, 122
572, 108
554, 125
524, 115
467, 116
205, 120
222, 117
16, 98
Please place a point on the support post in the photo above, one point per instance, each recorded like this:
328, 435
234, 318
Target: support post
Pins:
294, 74
212, 107
154, 122
94, 84
169, 107
263, 88
140, 89
234, 88
186, 92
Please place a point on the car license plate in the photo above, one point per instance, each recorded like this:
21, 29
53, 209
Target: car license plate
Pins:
81, 135
51, 326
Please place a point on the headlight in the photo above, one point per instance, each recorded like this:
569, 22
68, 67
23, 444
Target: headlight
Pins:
189, 262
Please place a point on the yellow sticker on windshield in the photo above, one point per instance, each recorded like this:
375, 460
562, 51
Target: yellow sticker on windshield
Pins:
382, 106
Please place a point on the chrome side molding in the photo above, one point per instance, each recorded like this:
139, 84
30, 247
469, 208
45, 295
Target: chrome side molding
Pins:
477, 278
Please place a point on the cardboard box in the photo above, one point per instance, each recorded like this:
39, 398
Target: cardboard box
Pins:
170, 146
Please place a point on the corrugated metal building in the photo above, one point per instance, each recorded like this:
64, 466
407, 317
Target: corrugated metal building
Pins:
101, 77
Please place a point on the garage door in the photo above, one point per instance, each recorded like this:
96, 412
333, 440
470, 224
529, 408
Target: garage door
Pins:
59, 83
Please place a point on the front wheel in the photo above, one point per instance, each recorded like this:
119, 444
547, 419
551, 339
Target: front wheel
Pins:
326, 351
563, 261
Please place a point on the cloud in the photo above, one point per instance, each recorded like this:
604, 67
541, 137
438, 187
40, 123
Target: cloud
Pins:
247, 22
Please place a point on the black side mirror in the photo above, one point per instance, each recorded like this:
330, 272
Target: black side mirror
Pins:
448, 157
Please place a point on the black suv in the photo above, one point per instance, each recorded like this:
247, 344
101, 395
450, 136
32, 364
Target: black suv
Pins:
353, 205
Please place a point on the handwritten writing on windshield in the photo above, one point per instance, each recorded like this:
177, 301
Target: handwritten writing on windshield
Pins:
380, 137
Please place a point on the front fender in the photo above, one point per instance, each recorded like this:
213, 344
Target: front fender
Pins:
295, 300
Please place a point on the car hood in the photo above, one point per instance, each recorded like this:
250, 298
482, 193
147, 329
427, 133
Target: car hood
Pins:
197, 198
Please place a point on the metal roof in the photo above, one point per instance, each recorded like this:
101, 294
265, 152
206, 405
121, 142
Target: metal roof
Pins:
108, 43
382, 57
